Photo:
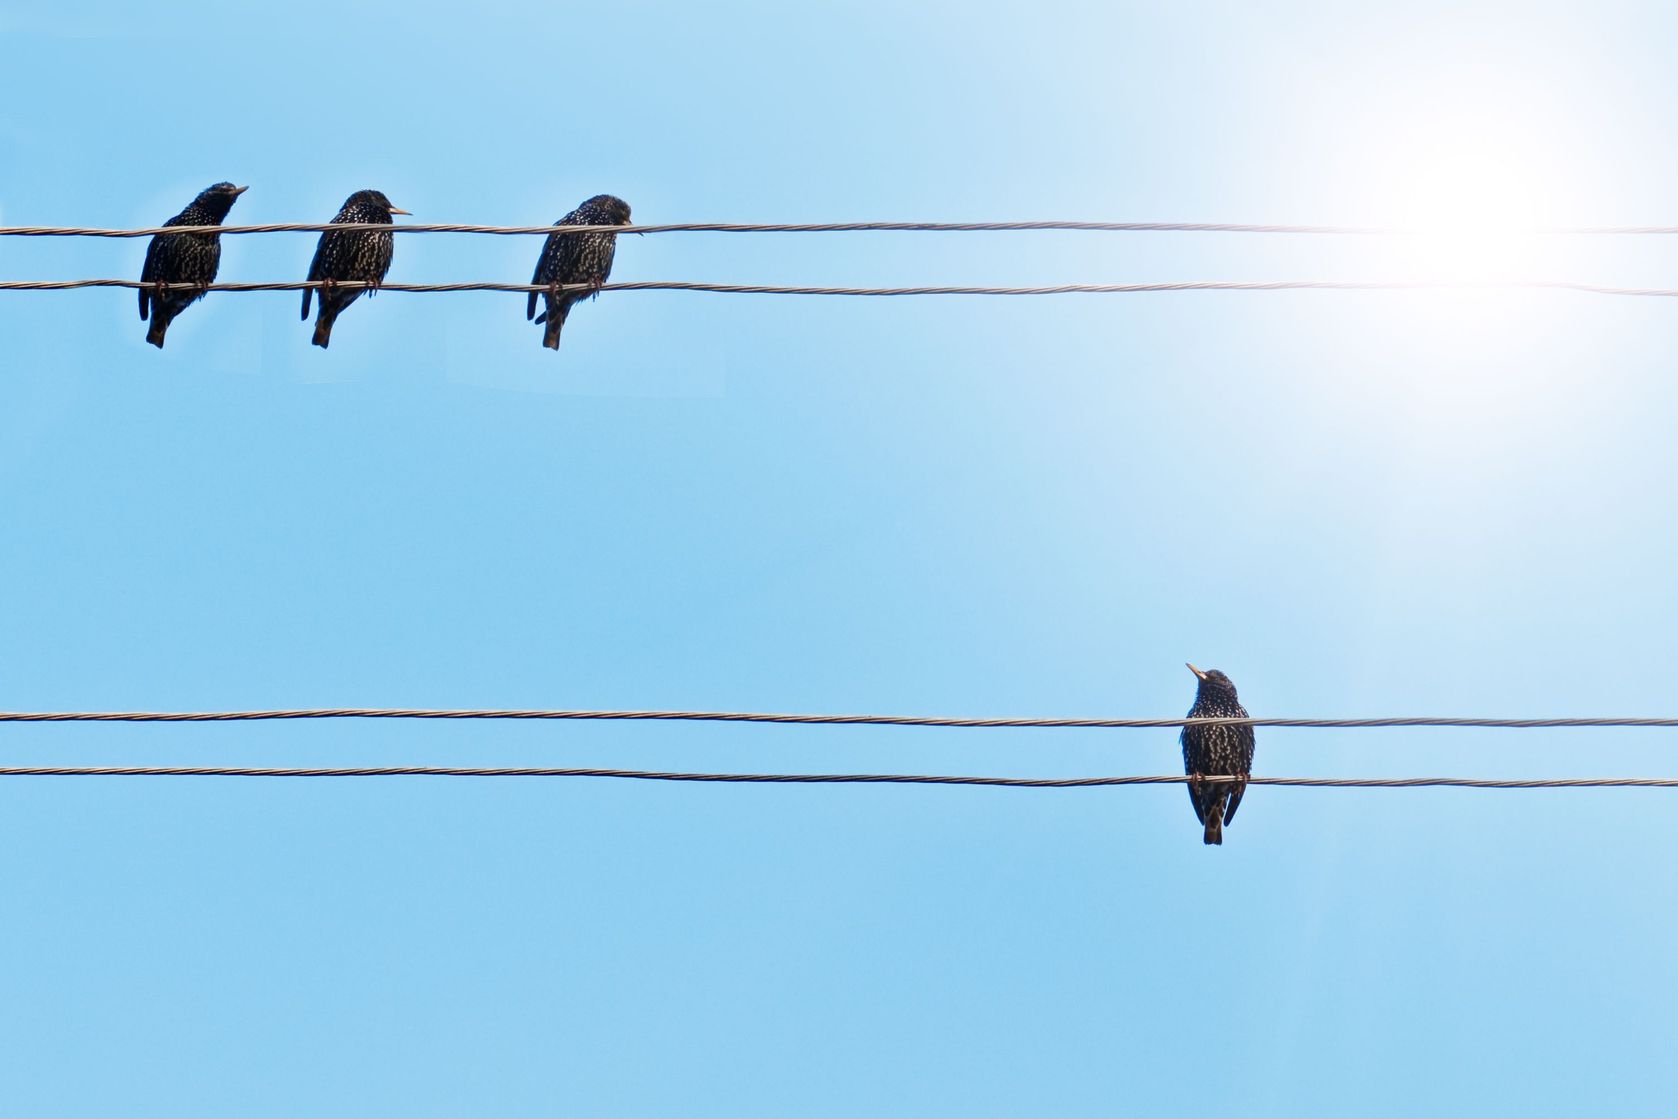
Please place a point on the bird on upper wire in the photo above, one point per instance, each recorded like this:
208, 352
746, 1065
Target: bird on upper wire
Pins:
184, 258
1216, 751
357, 256
575, 258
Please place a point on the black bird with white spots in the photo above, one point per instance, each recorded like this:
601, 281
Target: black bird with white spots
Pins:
184, 258
357, 256
1217, 751
576, 258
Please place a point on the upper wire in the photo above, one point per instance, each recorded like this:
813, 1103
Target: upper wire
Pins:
821, 227
818, 719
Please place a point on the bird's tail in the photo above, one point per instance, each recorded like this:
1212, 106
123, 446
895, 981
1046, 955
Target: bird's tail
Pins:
555, 320
159, 326
323, 326
1214, 821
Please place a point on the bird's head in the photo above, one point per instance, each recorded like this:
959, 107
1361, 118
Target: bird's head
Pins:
218, 199
1214, 682
605, 209
372, 203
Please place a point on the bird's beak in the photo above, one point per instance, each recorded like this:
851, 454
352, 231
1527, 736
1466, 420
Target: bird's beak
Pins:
1201, 675
237, 191
394, 210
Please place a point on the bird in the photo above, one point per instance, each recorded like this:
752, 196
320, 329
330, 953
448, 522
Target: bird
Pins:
1216, 751
575, 258
359, 256
184, 258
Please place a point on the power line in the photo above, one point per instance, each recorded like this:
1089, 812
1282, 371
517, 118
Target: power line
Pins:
699, 227
829, 227
839, 778
821, 720
774, 289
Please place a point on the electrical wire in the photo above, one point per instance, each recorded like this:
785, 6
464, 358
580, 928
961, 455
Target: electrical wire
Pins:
828, 720
823, 227
839, 778
774, 289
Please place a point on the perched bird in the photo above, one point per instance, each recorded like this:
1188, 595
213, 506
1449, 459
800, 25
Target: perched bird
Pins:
361, 256
576, 258
1217, 751
184, 258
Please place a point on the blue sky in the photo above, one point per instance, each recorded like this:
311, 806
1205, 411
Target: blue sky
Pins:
1356, 504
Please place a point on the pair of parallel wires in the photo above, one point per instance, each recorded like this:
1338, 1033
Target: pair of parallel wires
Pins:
1624, 722
837, 720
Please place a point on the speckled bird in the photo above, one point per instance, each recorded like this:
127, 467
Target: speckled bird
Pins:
576, 258
184, 258
1217, 751
356, 255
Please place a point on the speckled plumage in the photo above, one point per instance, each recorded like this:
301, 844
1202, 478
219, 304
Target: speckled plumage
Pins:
356, 255
576, 258
1216, 751
184, 258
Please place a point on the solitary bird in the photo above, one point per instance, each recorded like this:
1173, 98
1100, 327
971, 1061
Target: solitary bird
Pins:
1216, 751
184, 258
576, 258
359, 256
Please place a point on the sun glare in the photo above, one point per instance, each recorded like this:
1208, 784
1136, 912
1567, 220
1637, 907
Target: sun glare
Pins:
1473, 165
1474, 192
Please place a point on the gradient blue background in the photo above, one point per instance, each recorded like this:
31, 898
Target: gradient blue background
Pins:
1356, 504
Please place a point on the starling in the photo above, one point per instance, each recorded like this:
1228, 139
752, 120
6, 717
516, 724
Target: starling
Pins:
361, 256
1216, 751
184, 258
576, 258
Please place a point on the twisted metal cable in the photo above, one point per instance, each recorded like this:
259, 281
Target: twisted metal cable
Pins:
775, 289
698, 227
808, 719
821, 227
837, 778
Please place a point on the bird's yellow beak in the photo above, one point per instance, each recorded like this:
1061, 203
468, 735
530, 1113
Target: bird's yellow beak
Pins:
394, 210
1199, 674
239, 190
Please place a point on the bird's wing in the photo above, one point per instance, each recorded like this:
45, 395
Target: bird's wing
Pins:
148, 274
385, 249
607, 252
1235, 792
1244, 754
214, 262
568, 258
315, 268
539, 276
1195, 788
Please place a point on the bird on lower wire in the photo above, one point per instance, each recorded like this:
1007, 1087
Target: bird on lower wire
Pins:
184, 258
1216, 751
576, 258
357, 256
